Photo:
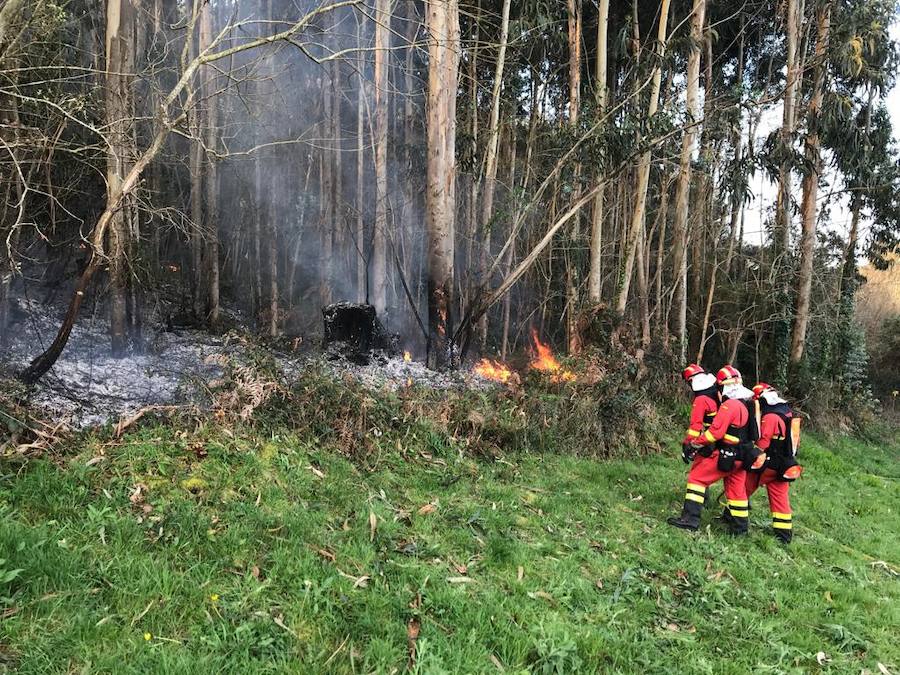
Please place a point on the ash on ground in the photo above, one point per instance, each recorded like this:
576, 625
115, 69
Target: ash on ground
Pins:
88, 387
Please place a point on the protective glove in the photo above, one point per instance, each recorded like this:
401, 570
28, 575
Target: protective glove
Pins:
688, 452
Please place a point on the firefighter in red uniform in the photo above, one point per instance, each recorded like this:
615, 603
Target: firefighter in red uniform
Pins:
723, 451
703, 410
780, 467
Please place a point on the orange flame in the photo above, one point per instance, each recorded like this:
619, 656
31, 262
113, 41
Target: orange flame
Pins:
407, 357
493, 370
545, 361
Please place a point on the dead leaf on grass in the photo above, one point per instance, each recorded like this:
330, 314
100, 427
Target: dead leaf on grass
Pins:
373, 524
461, 580
328, 555
883, 669
427, 509
137, 494
412, 635
520, 573
279, 621
543, 595
822, 658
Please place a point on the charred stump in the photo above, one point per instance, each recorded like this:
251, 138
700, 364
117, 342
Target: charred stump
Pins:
353, 332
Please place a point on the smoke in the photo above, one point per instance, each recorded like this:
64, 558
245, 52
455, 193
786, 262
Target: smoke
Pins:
290, 119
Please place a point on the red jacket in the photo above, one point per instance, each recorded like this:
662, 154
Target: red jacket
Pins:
771, 427
703, 410
732, 414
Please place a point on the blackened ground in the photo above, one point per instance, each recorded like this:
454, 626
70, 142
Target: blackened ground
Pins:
88, 387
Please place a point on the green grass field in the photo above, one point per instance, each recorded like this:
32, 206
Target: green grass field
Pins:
240, 554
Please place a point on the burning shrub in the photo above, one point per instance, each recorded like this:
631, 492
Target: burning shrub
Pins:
601, 415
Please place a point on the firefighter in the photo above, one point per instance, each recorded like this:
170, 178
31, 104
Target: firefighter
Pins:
778, 440
723, 451
703, 409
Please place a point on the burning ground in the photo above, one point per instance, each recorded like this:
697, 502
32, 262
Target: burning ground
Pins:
184, 366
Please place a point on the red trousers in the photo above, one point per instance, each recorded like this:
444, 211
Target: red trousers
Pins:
779, 502
705, 471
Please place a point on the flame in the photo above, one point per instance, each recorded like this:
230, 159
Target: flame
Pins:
547, 362
407, 357
493, 370
172, 268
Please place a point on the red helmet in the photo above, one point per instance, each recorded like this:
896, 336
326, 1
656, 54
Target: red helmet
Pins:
761, 388
728, 375
691, 370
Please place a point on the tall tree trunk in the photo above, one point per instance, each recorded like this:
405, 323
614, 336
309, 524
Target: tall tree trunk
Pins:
490, 173
643, 171
683, 188
442, 20
600, 94
411, 227
737, 188
810, 188
362, 286
10, 208
119, 65
643, 289
379, 269
573, 339
338, 231
783, 206
507, 301
469, 278
659, 312
272, 259
211, 178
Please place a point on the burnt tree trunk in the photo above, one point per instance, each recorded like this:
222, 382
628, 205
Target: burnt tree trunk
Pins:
442, 18
120, 18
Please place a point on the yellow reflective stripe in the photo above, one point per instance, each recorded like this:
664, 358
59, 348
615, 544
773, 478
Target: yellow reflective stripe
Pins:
710, 437
690, 496
782, 526
739, 513
696, 486
738, 502
693, 433
785, 516
732, 439
712, 414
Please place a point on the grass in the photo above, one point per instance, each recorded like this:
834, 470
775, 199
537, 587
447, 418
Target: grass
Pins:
250, 553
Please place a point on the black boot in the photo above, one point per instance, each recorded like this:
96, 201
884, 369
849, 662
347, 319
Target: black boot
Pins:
784, 536
737, 516
690, 512
782, 525
739, 526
